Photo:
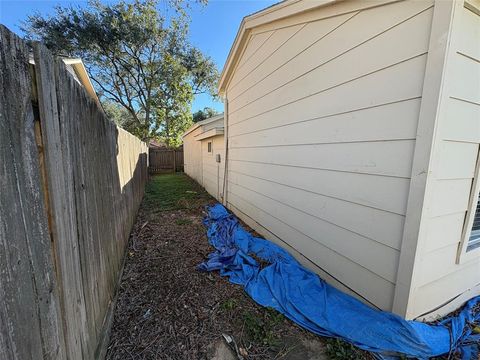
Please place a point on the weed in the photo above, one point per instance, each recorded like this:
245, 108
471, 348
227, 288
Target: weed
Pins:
262, 330
337, 349
274, 316
229, 304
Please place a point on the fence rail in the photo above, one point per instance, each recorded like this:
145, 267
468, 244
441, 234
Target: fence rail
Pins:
161, 160
71, 186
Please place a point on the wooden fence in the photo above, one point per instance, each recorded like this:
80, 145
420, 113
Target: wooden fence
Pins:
162, 160
71, 183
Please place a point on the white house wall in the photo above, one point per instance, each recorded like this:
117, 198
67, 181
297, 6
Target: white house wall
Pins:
192, 156
213, 172
322, 120
202, 165
437, 277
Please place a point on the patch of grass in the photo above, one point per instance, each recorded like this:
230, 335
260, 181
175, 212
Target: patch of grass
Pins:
261, 330
183, 221
173, 192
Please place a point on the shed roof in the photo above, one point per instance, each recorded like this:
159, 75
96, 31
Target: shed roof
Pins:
272, 13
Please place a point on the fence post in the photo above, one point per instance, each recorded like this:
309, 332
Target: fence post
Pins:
30, 312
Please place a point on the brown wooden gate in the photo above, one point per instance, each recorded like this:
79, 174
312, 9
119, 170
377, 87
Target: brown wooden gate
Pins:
165, 160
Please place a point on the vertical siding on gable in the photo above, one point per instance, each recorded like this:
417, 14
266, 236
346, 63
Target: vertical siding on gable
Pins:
322, 124
438, 279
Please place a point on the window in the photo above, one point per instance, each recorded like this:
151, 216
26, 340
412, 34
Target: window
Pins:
474, 239
209, 146
469, 247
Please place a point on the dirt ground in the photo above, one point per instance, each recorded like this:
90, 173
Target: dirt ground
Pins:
166, 309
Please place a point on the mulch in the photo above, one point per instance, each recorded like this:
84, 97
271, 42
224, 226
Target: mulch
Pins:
167, 309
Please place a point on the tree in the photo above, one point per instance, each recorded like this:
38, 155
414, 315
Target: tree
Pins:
136, 57
204, 114
119, 115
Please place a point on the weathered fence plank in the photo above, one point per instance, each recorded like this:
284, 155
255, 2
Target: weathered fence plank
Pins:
29, 311
103, 208
178, 160
69, 199
61, 205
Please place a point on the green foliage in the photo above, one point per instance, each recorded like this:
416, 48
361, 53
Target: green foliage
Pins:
137, 58
262, 329
337, 349
229, 304
118, 114
172, 192
204, 114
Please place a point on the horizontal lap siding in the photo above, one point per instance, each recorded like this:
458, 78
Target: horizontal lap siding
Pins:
365, 157
378, 192
315, 69
256, 43
356, 219
324, 232
439, 279
332, 102
368, 124
322, 124
320, 255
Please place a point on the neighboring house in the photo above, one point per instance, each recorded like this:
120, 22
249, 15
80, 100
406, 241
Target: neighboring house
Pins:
77, 69
353, 131
204, 154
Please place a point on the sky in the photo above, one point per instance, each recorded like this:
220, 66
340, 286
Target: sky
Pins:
212, 30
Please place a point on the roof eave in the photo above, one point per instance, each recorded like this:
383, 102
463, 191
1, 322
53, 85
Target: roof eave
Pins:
233, 53
82, 74
209, 133
203, 122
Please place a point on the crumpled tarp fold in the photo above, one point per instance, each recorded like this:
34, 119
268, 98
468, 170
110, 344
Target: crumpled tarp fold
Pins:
302, 296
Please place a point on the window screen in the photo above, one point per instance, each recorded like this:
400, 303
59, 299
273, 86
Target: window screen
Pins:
209, 147
474, 240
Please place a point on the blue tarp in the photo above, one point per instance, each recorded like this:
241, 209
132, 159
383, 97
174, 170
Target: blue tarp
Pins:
303, 297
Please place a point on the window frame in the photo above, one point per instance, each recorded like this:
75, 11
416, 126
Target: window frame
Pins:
463, 254
210, 147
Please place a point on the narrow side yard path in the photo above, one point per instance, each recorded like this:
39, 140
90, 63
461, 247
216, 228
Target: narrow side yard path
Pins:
166, 309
